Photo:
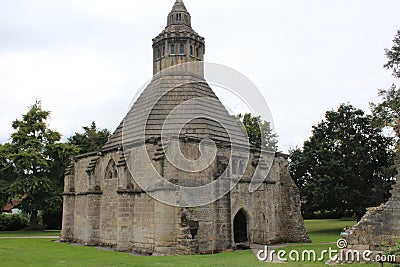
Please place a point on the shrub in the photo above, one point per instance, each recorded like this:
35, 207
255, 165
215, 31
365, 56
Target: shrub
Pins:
326, 214
13, 222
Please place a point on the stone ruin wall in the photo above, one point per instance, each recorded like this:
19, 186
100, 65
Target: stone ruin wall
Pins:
117, 213
274, 209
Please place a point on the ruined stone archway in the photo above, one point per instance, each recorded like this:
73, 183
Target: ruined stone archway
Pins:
240, 227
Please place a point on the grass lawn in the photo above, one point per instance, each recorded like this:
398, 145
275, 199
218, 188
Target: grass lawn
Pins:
322, 231
43, 252
30, 234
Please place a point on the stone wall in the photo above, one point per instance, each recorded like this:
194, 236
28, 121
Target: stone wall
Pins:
273, 210
108, 210
214, 225
291, 224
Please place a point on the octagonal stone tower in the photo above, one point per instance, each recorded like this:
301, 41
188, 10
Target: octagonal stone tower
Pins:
178, 42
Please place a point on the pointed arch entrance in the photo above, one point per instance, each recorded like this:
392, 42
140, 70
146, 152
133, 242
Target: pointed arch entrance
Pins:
240, 227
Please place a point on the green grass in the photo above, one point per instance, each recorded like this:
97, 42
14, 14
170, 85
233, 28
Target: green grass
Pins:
44, 252
322, 231
29, 233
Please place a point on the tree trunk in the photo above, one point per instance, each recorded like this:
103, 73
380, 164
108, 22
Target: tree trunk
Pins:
33, 221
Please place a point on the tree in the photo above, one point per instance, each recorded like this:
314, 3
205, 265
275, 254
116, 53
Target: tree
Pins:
393, 56
387, 112
7, 175
346, 165
91, 140
39, 160
259, 132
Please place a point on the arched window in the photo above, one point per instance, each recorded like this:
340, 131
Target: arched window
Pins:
163, 51
111, 170
241, 167
158, 53
234, 166
191, 50
172, 49
197, 52
181, 49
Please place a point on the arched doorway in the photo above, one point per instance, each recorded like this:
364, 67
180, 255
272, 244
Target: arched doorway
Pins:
240, 227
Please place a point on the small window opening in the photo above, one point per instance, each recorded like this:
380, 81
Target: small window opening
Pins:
197, 52
111, 171
234, 166
241, 167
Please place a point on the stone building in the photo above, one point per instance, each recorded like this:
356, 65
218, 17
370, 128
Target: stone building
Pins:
105, 205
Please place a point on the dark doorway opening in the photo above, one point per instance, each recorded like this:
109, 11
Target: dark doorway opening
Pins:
240, 227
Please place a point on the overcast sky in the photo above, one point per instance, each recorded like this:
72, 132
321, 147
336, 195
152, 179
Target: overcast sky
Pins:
85, 59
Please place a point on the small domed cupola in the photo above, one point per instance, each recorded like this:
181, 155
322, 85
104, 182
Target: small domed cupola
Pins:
178, 43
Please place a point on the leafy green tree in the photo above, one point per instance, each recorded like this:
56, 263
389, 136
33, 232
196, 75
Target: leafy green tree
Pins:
91, 140
393, 56
346, 165
387, 112
39, 160
259, 132
7, 175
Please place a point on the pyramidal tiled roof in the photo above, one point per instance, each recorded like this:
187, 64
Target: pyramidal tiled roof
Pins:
204, 116
167, 90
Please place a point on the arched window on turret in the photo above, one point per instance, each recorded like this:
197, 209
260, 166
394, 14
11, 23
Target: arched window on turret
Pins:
172, 49
163, 51
179, 17
111, 170
158, 53
197, 52
191, 50
181, 49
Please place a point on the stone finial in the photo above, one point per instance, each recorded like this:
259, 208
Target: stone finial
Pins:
179, 15
179, 6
